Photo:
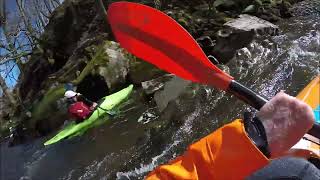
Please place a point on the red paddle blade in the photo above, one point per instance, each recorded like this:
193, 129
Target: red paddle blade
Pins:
158, 39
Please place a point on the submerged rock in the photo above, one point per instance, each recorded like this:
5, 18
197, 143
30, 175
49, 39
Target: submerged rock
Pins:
154, 85
172, 90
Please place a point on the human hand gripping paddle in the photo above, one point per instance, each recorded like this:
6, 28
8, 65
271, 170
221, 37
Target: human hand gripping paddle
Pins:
109, 112
158, 39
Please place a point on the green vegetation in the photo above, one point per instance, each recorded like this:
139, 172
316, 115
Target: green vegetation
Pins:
98, 55
41, 109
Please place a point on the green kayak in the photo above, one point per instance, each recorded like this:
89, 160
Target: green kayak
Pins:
108, 103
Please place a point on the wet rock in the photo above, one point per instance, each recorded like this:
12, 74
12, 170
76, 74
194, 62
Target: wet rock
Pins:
172, 90
153, 85
19, 134
228, 42
206, 43
238, 33
117, 68
251, 23
213, 59
224, 5
266, 9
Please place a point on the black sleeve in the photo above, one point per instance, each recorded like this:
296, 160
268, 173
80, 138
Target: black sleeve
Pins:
315, 161
256, 132
70, 101
84, 100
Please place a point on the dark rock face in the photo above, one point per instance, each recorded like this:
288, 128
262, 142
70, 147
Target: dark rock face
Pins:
93, 83
4, 108
36, 71
228, 42
68, 26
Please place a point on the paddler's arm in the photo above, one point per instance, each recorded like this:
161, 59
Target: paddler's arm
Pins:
228, 153
85, 100
92, 105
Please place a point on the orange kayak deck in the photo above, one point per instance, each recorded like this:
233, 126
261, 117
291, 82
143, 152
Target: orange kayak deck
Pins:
311, 95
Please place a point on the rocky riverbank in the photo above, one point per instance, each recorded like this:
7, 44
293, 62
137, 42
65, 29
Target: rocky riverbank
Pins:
78, 47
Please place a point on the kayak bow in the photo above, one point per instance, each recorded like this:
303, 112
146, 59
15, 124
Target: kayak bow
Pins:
311, 95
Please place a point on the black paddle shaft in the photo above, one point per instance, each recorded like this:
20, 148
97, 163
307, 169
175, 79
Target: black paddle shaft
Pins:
246, 95
98, 106
257, 101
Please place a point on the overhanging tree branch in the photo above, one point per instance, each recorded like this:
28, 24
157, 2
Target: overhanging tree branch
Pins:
16, 57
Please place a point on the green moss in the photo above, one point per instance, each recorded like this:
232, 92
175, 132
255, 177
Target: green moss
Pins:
41, 109
99, 56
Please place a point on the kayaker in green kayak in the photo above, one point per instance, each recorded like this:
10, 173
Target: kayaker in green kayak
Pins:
80, 108
105, 107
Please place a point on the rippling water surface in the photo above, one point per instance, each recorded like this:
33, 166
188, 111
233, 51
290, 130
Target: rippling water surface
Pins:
117, 150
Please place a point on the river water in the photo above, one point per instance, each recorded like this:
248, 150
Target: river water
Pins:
118, 150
